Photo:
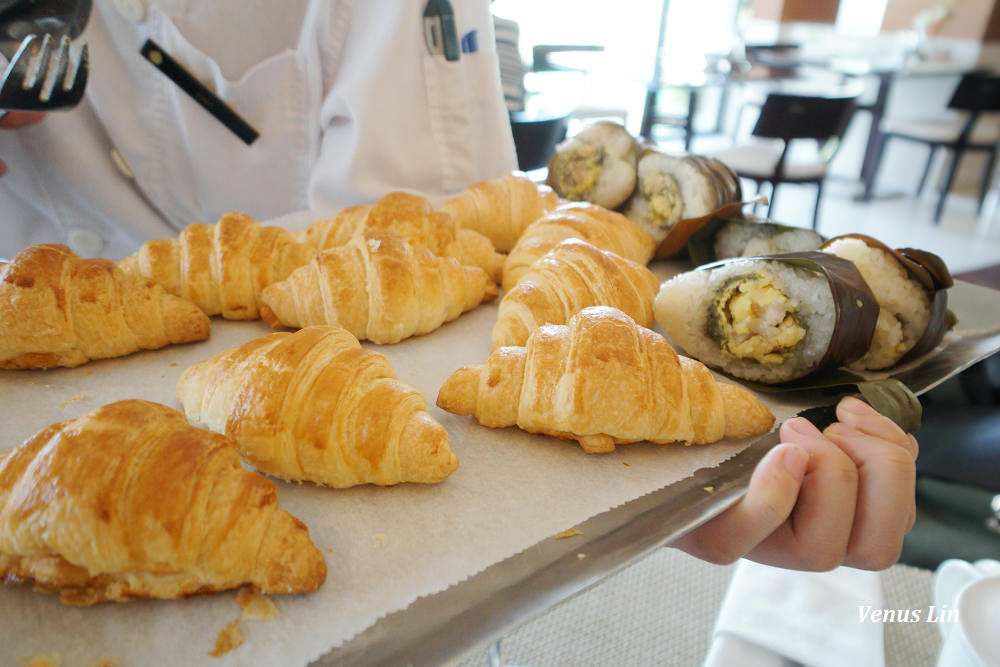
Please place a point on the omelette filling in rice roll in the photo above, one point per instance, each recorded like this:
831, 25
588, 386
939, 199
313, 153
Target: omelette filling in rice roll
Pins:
772, 319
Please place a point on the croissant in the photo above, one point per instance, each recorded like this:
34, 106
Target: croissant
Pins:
222, 267
57, 309
379, 288
502, 208
314, 405
131, 501
601, 227
412, 217
567, 279
603, 380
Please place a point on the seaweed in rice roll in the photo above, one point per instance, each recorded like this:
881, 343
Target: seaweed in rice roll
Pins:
770, 319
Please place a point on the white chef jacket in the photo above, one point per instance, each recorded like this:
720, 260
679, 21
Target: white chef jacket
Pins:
347, 99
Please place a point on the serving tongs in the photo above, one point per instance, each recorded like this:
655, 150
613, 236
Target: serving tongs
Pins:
44, 71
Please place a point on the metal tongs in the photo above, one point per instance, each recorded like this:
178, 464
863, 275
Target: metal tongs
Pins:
44, 70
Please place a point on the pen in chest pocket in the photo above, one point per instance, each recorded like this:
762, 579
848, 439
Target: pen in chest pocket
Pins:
198, 91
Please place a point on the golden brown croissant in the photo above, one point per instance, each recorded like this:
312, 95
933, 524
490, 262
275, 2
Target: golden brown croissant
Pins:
314, 405
57, 309
567, 279
412, 217
131, 501
379, 288
502, 208
603, 380
221, 267
601, 227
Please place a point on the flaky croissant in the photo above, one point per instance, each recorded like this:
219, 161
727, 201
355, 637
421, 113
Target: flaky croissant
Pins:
601, 227
502, 208
567, 279
603, 380
57, 309
378, 287
314, 405
412, 217
222, 267
131, 501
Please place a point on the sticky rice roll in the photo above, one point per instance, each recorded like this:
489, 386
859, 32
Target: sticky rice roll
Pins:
673, 187
769, 319
598, 165
906, 304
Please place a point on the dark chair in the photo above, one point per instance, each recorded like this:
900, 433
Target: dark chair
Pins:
802, 134
536, 138
977, 93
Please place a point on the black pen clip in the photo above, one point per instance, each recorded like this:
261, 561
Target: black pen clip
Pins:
440, 33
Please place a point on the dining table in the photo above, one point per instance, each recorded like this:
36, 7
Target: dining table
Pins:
419, 574
887, 71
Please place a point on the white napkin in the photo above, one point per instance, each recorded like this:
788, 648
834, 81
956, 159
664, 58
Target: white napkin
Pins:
773, 617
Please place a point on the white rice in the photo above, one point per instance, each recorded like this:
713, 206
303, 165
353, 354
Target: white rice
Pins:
905, 305
743, 238
682, 310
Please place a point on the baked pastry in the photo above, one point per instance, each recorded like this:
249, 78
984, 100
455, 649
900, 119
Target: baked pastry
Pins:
598, 164
412, 217
131, 501
222, 267
502, 208
567, 279
314, 405
379, 288
57, 309
603, 380
598, 226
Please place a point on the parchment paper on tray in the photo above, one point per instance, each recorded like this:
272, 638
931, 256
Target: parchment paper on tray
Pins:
384, 547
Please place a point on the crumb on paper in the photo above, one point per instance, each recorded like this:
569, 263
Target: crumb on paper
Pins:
72, 399
173, 363
105, 662
90, 371
229, 638
581, 556
255, 605
569, 532
42, 661
626, 464
329, 550
33, 382
709, 489
380, 540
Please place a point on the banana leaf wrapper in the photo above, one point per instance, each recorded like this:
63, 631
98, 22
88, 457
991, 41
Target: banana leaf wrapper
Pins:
930, 271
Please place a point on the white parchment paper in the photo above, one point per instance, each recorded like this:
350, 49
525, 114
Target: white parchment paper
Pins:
384, 547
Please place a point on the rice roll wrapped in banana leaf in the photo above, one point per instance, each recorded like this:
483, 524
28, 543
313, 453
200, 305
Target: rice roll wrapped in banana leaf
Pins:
598, 165
725, 237
770, 319
678, 186
910, 287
